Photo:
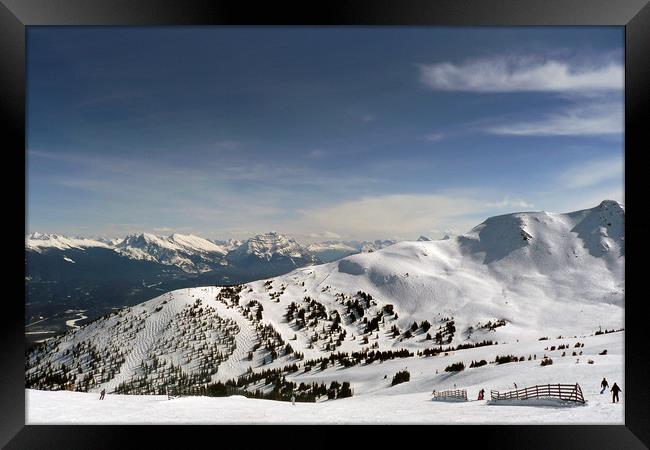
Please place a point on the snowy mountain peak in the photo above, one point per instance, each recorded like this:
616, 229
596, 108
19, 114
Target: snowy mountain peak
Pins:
268, 245
189, 252
193, 242
41, 241
612, 204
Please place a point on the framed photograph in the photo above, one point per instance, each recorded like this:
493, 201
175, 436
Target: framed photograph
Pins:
356, 213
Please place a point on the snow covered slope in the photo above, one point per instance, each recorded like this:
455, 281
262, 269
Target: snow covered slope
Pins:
375, 401
523, 281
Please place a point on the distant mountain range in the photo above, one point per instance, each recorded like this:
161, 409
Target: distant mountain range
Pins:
194, 254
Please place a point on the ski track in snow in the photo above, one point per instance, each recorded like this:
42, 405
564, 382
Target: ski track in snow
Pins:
236, 364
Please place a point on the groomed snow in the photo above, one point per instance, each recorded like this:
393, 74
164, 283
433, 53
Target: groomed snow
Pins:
375, 401
62, 407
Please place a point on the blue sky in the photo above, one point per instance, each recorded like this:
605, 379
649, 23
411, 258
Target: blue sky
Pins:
350, 132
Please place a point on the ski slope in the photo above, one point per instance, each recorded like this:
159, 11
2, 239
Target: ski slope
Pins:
525, 281
374, 400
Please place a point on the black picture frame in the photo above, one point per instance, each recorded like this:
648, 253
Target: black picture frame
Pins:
634, 15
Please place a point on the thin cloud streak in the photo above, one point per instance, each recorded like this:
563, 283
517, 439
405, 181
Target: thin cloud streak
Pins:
592, 173
520, 74
508, 202
586, 120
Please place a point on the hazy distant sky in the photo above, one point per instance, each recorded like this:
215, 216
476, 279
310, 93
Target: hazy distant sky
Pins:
357, 132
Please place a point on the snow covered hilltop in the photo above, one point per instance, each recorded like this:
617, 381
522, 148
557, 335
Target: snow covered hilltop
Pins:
525, 285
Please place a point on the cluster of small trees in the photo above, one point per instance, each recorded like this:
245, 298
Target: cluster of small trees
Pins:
455, 367
276, 295
432, 351
401, 377
445, 333
311, 312
355, 309
352, 359
599, 332
491, 326
546, 361
272, 384
338, 390
507, 359
229, 295
373, 324
425, 326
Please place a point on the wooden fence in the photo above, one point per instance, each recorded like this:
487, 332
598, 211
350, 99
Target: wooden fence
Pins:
457, 394
569, 392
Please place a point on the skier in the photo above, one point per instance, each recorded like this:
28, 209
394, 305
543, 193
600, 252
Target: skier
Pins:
615, 390
481, 393
101, 394
515, 385
293, 399
604, 385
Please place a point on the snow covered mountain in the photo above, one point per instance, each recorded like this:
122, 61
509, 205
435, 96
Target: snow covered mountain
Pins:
190, 253
515, 280
279, 250
41, 242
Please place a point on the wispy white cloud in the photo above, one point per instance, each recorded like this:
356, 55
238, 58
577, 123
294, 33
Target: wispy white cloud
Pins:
509, 202
325, 235
367, 118
521, 73
592, 173
584, 120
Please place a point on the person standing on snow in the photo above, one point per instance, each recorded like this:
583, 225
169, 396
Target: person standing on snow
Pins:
604, 385
481, 393
101, 394
293, 399
615, 390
